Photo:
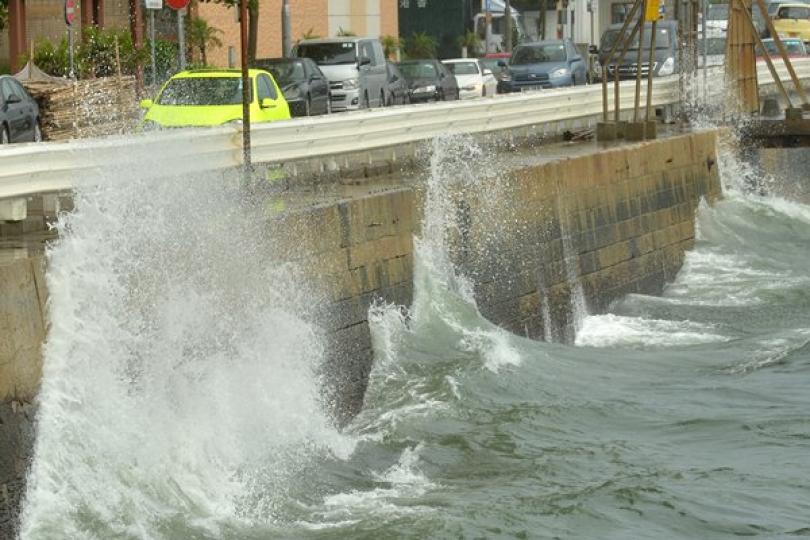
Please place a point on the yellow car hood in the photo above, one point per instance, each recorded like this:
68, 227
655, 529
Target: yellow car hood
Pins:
193, 115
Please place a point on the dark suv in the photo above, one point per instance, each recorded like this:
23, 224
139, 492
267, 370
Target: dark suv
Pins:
666, 51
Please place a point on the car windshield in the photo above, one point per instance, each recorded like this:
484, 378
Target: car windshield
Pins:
418, 70
662, 39
462, 68
285, 71
714, 46
327, 54
537, 54
794, 12
203, 91
792, 46
717, 12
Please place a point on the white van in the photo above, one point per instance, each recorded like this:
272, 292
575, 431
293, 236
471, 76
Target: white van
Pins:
354, 66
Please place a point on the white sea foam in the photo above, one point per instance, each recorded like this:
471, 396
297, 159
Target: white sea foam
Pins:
619, 331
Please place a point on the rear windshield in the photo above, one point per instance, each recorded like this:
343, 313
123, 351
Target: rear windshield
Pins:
285, 71
462, 68
326, 54
536, 54
792, 46
203, 91
663, 38
418, 70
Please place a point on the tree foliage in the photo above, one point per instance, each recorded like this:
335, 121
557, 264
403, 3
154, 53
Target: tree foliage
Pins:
202, 36
420, 45
253, 22
390, 46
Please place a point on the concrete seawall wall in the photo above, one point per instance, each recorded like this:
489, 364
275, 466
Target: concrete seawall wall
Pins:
606, 222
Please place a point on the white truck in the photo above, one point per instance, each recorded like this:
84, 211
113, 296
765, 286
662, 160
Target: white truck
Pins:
494, 41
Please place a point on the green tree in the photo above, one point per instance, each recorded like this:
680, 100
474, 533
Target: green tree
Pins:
420, 45
471, 42
390, 45
3, 14
345, 33
202, 36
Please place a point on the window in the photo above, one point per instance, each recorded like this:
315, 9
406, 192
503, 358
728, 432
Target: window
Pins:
537, 54
266, 89
7, 89
326, 54
462, 68
202, 91
794, 12
367, 51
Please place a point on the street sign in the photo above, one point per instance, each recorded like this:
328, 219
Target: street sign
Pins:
154, 4
177, 4
70, 12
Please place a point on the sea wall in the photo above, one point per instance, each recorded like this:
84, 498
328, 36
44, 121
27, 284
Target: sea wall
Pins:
598, 224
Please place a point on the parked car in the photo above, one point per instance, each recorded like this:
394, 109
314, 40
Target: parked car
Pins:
305, 88
473, 80
397, 86
666, 51
354, 66
19, 113
429, 80
545, 64
206, 97
793, 20
794, 47
498, 63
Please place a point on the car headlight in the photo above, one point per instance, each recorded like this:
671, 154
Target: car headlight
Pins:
506, 76
424, 89
351, 84
668, 67
561, 72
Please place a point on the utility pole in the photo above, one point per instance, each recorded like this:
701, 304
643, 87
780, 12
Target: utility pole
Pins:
286, 29
507, 26
246, 94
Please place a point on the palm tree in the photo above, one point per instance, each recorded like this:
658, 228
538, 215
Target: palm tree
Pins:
420, 45
202, 35
390, 46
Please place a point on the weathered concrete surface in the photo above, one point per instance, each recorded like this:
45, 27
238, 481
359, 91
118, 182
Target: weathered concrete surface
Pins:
612, 221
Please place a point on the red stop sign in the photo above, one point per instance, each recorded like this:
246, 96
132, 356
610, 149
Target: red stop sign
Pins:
177, 4
70, 12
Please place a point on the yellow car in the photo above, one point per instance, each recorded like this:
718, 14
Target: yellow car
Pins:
793, 20
205, 97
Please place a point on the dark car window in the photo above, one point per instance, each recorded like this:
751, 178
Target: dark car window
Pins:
287, 71
7, 89
328, 54
419, 70
203, 91
662, 39
367, 51
537, 54
794, 12
266, 89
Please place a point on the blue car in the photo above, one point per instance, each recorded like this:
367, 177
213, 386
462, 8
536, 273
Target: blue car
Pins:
544, 64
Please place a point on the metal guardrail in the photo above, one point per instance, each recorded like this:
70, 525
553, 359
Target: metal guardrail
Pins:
29, 169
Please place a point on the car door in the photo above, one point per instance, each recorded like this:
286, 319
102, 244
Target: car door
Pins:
447, 81
319, 87
266, 89
15, 107
30, 110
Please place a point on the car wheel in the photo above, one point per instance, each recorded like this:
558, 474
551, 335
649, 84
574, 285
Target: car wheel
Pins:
37, 132
4, 138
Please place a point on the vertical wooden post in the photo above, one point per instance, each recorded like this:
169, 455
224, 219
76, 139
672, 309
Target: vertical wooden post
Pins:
16, 31
741, 65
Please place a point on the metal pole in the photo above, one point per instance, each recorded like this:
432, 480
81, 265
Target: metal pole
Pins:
637, 101
152, 43
488, 29
181, 38
507, 26
651, 71
286, 29
705, 50
620, 59
609, 57
246, 94
71, 73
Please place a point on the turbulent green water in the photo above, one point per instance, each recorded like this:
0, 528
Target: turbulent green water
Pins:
685, 416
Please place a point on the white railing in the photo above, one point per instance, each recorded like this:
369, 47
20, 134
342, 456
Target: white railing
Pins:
28, 169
